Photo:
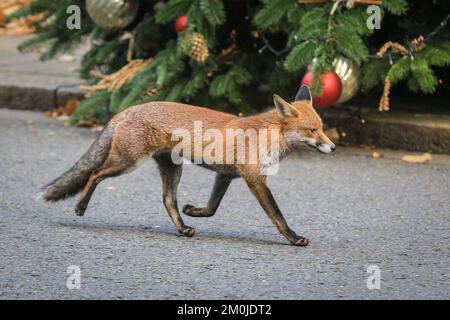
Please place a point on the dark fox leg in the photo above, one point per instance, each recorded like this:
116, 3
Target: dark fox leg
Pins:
220, 187
265, 198
86, 194
95, 178
170, 174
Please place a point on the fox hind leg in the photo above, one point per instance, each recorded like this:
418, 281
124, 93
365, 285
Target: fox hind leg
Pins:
86, 194
170, 175
108, 169
221, 185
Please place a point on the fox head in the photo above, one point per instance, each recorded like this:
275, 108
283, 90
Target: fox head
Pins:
301, 123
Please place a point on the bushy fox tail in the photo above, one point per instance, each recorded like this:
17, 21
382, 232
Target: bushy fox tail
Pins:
73, 180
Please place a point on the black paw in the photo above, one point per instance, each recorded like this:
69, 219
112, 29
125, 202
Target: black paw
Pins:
188, 209
79, 210
195, 212
300, 242
187, 231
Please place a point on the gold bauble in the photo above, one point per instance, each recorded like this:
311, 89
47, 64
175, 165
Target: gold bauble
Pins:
112, 14
349, 72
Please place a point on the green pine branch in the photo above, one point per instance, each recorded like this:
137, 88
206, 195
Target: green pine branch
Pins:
396, 7
270, 16
229, 84
310, 35
301, 55
52, 31
172, 10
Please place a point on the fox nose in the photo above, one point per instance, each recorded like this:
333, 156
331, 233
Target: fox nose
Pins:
333, 148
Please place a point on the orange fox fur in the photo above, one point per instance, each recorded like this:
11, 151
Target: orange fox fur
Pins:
147, 130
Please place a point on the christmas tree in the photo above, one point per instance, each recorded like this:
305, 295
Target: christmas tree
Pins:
232, 55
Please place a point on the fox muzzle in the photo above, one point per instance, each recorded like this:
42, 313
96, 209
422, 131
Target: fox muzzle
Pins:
322, 147
326, 148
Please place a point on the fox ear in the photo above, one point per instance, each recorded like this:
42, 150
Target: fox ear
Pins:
284, 109
304, 94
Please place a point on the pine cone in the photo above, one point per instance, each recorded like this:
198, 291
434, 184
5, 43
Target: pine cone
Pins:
418, 44
198, 50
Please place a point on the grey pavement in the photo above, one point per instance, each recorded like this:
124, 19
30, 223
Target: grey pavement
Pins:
357, 211
18, 67
26, 83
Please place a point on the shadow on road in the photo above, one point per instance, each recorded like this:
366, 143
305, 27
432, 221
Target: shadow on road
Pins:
155, 232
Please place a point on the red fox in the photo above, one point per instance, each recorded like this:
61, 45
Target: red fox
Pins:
146, 130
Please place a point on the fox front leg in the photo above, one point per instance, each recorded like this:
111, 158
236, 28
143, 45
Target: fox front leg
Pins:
267, 202
170, 174
221, 185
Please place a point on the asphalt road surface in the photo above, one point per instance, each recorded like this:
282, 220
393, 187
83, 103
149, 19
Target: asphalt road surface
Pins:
358, 212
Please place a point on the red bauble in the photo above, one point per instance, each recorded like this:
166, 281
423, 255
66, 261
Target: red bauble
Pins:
180, 24
332, 88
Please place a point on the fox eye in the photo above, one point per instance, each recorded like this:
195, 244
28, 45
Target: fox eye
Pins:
312, 129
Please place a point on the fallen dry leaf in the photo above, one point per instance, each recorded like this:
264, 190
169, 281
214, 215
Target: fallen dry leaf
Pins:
66, 58
51, 133
86, 123
376, 155
422, 158
67, 110
97, 128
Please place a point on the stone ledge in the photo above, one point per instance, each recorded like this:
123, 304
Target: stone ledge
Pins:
35, 97
393, 129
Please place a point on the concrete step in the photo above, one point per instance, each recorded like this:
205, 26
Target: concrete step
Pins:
394, 129
26, 83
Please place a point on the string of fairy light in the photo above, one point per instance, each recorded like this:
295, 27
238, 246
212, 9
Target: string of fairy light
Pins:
387, 55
